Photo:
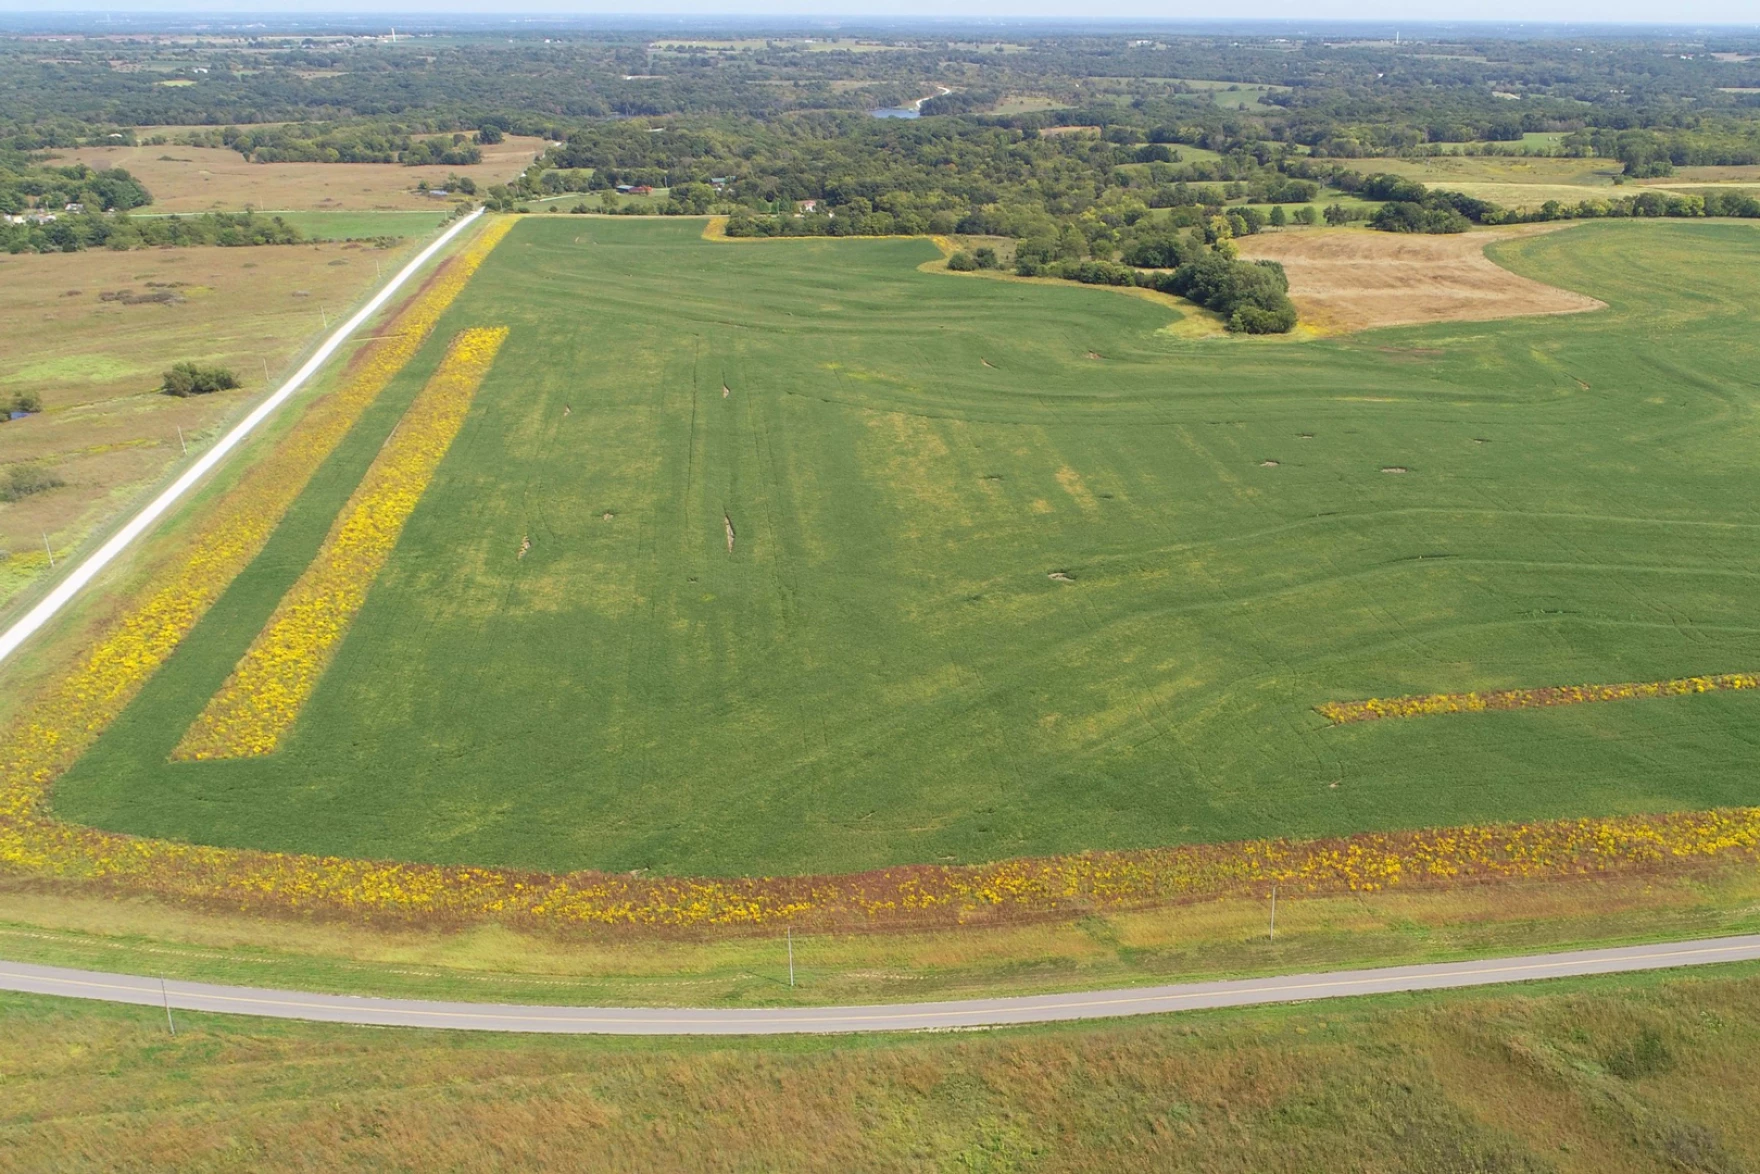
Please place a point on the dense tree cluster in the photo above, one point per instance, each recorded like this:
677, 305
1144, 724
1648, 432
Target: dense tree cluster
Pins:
69, 233
26, 185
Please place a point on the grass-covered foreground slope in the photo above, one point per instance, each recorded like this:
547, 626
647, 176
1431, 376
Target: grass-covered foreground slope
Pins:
1602, 1077
883, 668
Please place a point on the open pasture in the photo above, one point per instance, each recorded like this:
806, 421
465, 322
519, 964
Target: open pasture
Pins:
218, 179
789, 556
96, 362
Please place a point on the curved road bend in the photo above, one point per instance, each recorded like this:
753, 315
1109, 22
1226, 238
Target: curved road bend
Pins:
193, 996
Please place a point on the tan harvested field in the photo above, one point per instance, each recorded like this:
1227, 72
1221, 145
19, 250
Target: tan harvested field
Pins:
1355, 279
1699, 175
210, 179
105, 431
1517, 182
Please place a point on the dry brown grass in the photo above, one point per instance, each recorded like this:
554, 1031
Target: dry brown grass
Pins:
1601, 1077
1355, 279
207, 179
106, 431
1698, 175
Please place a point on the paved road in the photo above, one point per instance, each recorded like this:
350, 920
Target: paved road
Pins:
69, 587
193, 996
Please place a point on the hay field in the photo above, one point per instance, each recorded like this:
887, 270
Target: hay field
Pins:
1016, 570
1358, 279
210, 179
106, 431
1598, 1077
1528, 182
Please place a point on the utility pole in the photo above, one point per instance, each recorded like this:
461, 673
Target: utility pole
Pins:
166, 997
1274, 913
265, 371
324, 316
50, 549
791, 956
180, 441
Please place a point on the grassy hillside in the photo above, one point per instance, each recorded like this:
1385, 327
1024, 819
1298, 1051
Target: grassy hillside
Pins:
883, 668
1603, 1077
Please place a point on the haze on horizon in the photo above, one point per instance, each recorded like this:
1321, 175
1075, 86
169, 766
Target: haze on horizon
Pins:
1739, 13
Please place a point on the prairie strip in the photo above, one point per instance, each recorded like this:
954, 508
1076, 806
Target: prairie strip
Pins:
263, 697
68, 717
1428, 705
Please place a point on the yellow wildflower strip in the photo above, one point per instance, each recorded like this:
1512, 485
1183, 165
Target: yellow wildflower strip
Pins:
898, 898
1428, 705
263, 697
67, 717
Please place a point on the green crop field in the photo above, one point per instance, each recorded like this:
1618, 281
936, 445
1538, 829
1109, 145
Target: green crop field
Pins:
883, 668
364, 225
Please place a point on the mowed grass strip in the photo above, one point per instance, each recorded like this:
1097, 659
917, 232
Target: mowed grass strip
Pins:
992, 597
263, 697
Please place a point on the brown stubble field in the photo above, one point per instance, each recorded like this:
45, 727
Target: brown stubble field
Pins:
106, 431
217, 179
1356, 279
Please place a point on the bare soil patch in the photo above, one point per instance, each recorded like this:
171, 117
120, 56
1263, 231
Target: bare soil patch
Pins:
215, 179
1343, 279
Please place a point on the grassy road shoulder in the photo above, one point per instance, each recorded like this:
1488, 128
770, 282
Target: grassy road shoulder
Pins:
1602, 1075
1219, 939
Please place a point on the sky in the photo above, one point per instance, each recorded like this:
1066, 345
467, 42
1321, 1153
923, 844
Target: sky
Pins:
1414, 12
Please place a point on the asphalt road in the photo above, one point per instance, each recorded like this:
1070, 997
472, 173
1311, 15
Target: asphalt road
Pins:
194, 996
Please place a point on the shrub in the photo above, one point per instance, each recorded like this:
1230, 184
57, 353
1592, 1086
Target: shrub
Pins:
1093, 272
1254, 320
24, 401
1643, 1056
187, 379
986, 257
962, 262
21, 481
